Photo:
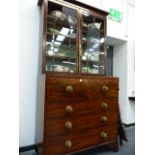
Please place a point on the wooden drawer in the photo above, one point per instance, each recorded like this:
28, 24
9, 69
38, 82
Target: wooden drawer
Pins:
79, 140
68, 88
74, 107
57, 127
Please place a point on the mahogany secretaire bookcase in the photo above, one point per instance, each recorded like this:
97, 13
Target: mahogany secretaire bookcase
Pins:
81, 102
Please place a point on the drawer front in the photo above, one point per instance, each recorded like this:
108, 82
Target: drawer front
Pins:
74, 107
80, 88
57, 127
77, 141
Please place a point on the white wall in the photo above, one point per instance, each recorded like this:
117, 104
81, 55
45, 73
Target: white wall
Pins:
131, 2
131, 50
131, 63
29, 46
117, 29
124, 68
120, 70
97, 4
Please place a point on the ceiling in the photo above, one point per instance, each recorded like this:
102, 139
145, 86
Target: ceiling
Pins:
114, 41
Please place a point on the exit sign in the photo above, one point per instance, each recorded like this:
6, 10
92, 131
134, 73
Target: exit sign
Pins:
115, 15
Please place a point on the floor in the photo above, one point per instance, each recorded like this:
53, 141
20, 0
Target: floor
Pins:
128, 148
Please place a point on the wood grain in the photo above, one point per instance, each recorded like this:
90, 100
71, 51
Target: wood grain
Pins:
55, 146
85, 100
57, 108
56, 127
85, 94
88, 88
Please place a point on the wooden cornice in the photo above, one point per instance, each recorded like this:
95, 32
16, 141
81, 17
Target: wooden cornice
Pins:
81, 5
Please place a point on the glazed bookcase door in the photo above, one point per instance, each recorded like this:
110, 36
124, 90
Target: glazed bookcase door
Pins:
61, 39
93, 45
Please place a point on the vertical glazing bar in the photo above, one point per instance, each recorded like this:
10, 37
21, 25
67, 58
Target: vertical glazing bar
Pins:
105, 48
79, 27
45, 16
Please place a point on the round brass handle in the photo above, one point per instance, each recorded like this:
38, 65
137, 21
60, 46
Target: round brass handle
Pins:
104, 105
68, 125
69, 109
69, 89
104, 119
68, 143
104, 134
104, 88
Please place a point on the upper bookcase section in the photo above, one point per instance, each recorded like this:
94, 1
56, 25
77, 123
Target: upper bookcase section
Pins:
73, 38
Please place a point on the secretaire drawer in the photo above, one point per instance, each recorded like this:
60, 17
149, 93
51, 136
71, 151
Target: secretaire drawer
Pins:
79, 140
81, 88
73, 107
66, 125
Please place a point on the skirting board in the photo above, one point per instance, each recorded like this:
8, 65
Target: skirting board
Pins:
128, 125
28, 148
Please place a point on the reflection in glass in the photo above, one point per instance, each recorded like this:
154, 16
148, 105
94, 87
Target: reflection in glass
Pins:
61, 55
92, 45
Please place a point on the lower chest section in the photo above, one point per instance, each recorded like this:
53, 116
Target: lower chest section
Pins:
80, 113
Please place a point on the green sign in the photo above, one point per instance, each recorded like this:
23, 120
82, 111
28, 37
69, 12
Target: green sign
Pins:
115, 15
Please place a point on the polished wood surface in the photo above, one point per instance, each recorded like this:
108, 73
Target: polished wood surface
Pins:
56, 127
57, 108
82, 88
80, 110
56, 146
92, 118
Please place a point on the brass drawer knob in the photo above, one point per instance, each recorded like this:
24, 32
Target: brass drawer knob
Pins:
104, 119
69, 109
104, 134
104, 105
68, 125
68, 143
69, 89
104, 88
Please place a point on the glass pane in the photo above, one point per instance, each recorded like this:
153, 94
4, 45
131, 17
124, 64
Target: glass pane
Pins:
93, 53
60, 65
61, 54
